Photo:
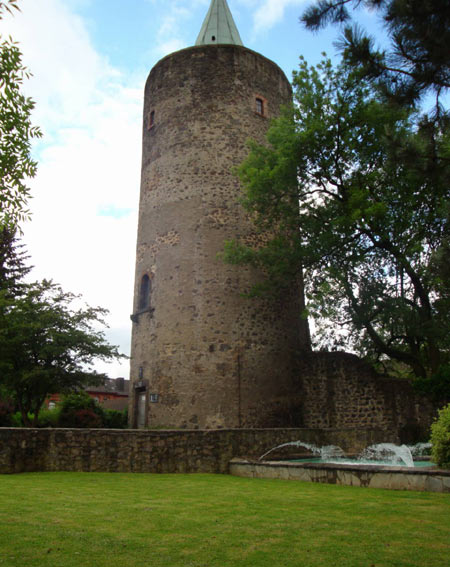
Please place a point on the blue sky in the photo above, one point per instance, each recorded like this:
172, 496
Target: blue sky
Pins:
90, 60
133, 33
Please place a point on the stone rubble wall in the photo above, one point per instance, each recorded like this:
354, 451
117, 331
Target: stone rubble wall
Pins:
339, 390
159, 451
202, 355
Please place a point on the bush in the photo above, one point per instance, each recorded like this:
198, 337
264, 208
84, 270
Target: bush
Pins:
6, 413
16, 419
437, 387
49, 417
82, 418
80, 410
114, 419
440, 438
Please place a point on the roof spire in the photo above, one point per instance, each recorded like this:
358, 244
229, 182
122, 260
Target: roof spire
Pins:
219, 26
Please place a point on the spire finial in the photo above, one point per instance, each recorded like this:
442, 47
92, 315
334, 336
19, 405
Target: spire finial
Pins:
219, 26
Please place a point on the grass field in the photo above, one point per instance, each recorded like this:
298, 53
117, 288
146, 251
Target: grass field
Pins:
137, 520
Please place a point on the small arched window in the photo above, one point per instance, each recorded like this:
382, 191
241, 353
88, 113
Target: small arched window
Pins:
259, 106
144, 293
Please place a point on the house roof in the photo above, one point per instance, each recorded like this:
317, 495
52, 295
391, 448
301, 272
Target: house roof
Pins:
218, 26
119, 386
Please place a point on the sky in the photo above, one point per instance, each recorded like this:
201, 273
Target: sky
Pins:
90, 60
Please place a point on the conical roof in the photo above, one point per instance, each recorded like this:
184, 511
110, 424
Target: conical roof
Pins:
219, 26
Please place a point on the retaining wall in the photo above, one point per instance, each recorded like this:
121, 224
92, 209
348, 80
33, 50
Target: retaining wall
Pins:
164, 451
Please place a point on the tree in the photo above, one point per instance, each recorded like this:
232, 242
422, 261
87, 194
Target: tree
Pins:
417, 61
16, 132
47, 344
339, 193
12, 262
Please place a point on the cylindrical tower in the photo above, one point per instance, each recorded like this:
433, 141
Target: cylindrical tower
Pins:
203, 355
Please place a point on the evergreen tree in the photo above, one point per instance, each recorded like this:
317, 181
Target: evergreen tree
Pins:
12, 263
418, 59
48, 343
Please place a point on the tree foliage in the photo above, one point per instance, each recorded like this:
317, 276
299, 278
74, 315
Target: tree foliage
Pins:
16, 132
440, 438
356, 191
417, 60
48, 342
13, 266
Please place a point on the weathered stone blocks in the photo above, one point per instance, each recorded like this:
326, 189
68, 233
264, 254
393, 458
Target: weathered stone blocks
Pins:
211, 357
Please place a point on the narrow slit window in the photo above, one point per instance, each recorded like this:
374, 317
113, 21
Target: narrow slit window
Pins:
260, 106
144, 293
151, 119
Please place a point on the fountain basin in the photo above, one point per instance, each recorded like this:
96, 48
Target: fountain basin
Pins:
371, 476
359, 461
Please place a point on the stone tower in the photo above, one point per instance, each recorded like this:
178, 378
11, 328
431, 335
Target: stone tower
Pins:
204, 356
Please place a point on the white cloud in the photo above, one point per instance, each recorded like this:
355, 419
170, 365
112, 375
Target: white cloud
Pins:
269, 12
83, 228
84, 222
173, 30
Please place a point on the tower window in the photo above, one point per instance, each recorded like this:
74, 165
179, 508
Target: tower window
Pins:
259, 106
213, 38
151, 119
144, 293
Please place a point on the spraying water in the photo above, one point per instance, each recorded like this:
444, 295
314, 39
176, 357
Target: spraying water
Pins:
326, 452
394, 454
420, 449
382, 453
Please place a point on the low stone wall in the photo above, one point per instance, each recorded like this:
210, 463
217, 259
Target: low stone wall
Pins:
165, 451
392, 478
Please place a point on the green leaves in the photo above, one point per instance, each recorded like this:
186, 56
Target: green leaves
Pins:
16, 133
417, 61
48, 339
355, 191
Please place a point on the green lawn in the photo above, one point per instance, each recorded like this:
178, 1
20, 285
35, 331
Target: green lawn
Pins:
134, 520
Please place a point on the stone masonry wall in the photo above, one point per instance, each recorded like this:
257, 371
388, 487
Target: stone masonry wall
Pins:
340, 390
183, 451
208, 357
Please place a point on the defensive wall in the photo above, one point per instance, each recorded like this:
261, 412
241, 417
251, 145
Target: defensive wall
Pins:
339, 390
164, 451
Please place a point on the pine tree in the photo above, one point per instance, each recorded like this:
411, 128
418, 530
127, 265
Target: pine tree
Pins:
13, 266
417, 61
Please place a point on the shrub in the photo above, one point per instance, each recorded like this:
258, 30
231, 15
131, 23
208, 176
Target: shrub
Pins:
6, 413
82, 418
80, 410
440, 438
437, 387
49, 417
114, 419
16, 419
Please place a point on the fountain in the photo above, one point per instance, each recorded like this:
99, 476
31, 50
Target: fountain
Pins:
326, 452
386, 454
384, 465
394, 455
